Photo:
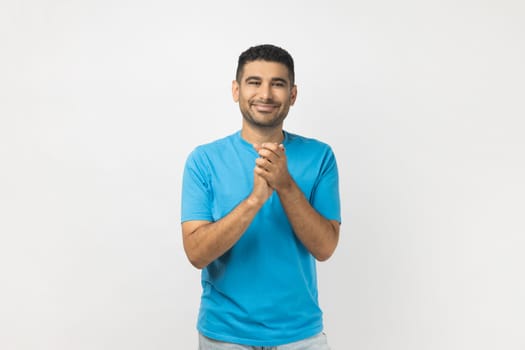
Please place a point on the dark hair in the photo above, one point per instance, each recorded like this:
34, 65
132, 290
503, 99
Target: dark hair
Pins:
268, 53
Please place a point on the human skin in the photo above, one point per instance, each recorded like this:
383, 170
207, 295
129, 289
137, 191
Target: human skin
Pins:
264, 94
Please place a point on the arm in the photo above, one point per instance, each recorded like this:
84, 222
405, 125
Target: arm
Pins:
319, 235
205, 241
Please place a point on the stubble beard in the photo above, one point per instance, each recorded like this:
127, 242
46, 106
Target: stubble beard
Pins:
269, 123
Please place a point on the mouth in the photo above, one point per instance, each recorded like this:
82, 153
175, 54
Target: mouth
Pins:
265, 107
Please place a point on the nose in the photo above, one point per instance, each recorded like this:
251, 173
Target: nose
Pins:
266, 91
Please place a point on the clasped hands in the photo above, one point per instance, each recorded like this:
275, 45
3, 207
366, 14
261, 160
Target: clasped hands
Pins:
271, 169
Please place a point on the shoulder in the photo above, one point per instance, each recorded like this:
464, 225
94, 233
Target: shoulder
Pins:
310, 152
216, 143
304, 143
212, 148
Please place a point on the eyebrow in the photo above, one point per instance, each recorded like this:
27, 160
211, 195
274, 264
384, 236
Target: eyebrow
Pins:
280, 80
254, 77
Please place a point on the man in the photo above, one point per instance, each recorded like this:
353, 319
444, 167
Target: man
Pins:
258, 208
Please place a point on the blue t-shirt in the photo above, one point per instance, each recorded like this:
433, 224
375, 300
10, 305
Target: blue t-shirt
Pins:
263, 291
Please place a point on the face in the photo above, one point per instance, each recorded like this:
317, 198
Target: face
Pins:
264, 94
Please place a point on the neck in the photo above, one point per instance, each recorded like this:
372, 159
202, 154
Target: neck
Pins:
261, 135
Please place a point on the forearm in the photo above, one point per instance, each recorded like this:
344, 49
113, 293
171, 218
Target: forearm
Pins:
206, 241
318, 234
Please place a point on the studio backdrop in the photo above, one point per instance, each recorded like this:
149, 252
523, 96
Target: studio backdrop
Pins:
422, 103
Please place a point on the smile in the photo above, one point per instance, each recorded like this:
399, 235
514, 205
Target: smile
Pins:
264, 107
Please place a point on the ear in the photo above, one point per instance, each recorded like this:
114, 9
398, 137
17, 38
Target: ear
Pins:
235, 90
293, 95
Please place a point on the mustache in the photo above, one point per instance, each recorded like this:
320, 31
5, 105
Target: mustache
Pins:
265, 102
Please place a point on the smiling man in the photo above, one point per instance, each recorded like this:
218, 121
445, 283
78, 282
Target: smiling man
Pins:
259, 207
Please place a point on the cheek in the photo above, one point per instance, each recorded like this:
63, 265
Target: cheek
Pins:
244, 95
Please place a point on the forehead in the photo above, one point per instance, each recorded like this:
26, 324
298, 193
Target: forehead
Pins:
265, 70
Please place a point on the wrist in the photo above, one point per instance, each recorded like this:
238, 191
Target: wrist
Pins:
254, 202
287, 188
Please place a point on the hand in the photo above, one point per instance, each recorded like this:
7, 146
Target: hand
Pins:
261, 190
272, 165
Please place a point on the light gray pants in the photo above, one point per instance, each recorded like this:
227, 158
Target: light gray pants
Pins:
317, 342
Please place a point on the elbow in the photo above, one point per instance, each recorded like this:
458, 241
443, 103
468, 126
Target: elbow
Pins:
199, 266
324, 254
196, 262
195, 259
195, 251
327, 248
325, 251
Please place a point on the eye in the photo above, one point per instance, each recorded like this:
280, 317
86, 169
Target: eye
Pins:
254, 82
279, 84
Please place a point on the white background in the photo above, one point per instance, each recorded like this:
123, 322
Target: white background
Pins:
423, 103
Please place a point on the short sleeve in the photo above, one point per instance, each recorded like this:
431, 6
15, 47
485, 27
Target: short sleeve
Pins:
326, 198
196, 189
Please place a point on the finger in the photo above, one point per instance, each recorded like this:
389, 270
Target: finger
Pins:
271, 146
263, 163
261, 172
267, 154
278, 149
258, 171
